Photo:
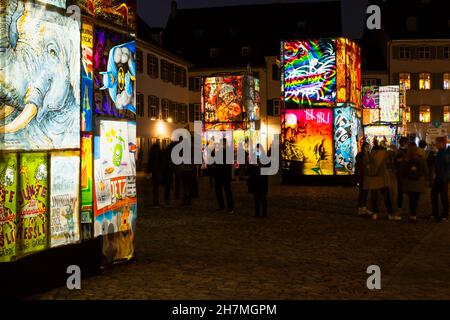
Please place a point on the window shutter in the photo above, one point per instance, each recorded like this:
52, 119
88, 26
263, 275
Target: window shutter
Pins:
415, 113
414, 81
433, 52
191, 83
440, 52
415, 53
156, 67
270, 107
437, 81
171, 110
396, 52
437, 114
275, 73
396, 77
191, 112
158, 107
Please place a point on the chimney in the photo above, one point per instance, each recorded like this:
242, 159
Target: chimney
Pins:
173, 8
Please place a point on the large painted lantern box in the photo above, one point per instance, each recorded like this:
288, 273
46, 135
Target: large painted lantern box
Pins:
383, 113
65, 86
321, 110
231, 103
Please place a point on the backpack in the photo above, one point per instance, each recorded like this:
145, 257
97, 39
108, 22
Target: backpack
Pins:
413, 169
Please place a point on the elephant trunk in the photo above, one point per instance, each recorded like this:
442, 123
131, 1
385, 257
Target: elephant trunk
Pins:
8, 15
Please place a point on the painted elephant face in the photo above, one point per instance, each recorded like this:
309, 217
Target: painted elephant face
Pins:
40, 78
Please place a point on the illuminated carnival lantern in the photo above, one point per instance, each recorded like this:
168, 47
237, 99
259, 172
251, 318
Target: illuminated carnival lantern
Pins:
67, 168
384, 117
231, 107
321, 111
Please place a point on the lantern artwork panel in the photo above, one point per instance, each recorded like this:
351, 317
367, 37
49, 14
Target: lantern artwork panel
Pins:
307, 137
309, 72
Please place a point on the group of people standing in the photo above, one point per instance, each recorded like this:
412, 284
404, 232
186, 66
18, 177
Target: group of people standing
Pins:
409, 170
183, 178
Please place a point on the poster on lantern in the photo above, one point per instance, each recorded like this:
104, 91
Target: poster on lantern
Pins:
64, 199
346, 129
114, 149
307, 137
309, 72
222, 99
119, 12
40, 82
114, 74
87, 76
8, 207
389, 104
32, 233
370, 97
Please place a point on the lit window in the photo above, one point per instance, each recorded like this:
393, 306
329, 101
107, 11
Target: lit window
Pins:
447, 114
446, 81
408, 114
153, 107
404, 53
424, 52
425, 114
405, 79
424, 81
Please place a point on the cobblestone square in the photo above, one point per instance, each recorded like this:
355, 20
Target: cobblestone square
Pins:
312, 246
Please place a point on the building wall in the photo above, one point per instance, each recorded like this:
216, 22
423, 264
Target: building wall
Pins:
436, 97
379, 78
159, 128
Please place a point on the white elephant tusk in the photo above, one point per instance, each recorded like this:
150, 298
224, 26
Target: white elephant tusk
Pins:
22, 120
5, 111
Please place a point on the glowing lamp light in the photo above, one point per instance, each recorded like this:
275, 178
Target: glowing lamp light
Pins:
169, 120
160, 128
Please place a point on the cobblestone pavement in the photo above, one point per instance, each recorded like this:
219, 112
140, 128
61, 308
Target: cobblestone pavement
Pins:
312, 246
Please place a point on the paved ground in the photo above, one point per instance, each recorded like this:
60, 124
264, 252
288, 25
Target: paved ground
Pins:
312, 246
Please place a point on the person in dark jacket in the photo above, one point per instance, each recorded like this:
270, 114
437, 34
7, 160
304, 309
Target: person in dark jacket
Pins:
154, 167
222, 181
414, 177
258, 185
359, 177
440, 183
399, 158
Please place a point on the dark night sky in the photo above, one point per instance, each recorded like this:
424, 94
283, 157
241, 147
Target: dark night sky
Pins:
156, 12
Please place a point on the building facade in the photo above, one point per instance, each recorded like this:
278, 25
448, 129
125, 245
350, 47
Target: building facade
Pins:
162, 98
423, 66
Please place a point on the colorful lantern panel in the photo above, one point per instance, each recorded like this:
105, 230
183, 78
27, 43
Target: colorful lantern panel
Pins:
307, 137
370, 97
390, 104
114, 74
222, 99
346, 128
40, 79
386, 133
309, 72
